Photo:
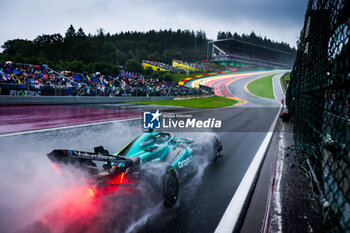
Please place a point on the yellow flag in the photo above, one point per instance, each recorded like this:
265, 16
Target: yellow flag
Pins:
19, 81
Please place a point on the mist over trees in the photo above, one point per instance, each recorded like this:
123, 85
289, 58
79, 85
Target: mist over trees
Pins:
105, 52
253, 38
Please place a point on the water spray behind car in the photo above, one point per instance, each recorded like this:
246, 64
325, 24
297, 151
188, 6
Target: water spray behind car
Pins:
36, 191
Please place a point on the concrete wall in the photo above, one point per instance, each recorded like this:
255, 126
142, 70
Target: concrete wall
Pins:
33, 100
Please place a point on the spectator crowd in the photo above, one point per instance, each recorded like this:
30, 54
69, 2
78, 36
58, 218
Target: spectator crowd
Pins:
40, 79
190, 67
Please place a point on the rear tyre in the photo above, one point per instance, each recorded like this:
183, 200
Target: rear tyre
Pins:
217, 148
171, 187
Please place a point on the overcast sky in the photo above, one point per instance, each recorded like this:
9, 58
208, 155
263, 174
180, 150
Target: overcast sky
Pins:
279, 20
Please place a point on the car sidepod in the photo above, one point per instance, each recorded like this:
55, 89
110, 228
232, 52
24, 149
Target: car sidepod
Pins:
183, 162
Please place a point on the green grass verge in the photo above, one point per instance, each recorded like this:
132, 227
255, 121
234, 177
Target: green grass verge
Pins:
262, 87
209, 102
179, 77
285, 77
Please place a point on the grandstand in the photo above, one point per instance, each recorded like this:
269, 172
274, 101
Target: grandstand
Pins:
232, 52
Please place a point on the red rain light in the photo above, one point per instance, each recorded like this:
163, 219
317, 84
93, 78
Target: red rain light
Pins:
118, 179
122, 178
57, 169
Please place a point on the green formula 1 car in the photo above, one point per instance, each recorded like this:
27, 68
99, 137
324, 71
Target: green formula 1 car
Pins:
111, 172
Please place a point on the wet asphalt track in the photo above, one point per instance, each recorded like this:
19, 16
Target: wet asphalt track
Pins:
245, 128
201, 206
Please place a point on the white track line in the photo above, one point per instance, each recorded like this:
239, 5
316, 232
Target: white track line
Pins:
230, 219
65, 127
274, 87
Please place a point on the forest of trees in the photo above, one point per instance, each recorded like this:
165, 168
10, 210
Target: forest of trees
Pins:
77, 51
105, 53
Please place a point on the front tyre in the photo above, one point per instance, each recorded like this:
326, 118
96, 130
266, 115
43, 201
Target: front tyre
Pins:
171, 187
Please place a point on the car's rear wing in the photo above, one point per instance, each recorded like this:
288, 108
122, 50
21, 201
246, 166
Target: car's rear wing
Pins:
87, 158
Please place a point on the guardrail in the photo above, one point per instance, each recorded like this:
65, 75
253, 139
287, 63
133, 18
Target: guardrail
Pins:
45, 90
47, 100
